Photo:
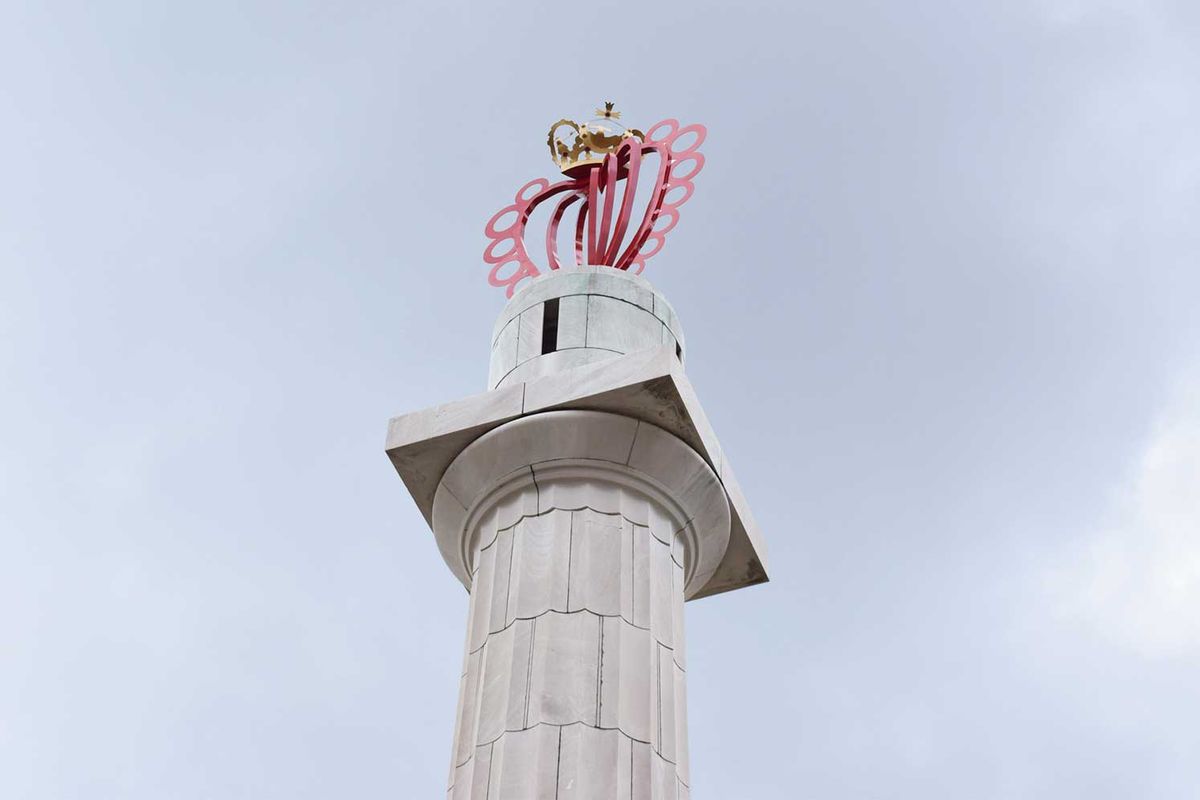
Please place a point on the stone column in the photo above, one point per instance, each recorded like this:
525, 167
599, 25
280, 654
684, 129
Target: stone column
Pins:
580, 500
579, 535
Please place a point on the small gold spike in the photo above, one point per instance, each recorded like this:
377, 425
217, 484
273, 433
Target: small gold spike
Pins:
607, 112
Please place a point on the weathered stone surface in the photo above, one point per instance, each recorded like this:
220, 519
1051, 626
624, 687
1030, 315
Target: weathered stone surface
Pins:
618, 326
529, 335
525, 765
626, 674
572, 321
594, 764
564, 680
540, 565
558, 361
596, 555
504, 682
504, 350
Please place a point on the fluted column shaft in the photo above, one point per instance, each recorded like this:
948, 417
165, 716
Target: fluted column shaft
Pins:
574, 675
579, 535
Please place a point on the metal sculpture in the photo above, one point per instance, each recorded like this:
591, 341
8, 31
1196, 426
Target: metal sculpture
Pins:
597, 158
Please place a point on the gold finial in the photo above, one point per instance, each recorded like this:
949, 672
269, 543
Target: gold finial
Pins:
607, 112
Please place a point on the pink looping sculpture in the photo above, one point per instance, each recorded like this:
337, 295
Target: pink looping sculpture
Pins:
598, 235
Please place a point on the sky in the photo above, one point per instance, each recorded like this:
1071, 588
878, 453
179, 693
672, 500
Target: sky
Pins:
939, 286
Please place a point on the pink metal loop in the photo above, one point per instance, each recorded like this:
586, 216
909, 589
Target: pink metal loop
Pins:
523, 270
654, 243
688, 189
491, 257
491, 232
653, 138
668, 212
701, 133
693, 158
540, 183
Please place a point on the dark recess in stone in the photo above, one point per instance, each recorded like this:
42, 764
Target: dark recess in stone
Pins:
550, 326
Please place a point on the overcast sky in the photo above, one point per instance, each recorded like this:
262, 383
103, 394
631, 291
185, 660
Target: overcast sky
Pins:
939, 283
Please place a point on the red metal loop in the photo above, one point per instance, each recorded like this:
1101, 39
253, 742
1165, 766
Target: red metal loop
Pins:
579, 223
552, 229
608, 185
593, 206
652, 208
634, 154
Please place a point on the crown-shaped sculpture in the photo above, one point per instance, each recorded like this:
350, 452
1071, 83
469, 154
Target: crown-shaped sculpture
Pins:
575, 146
604, 163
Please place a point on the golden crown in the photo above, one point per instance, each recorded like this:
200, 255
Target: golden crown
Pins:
578, 146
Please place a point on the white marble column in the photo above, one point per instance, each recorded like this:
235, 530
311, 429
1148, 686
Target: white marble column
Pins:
581, 534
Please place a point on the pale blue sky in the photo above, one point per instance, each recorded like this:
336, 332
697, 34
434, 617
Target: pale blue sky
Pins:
939, 283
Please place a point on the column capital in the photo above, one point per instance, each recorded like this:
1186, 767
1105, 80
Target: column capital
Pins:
648, 385
565, 455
